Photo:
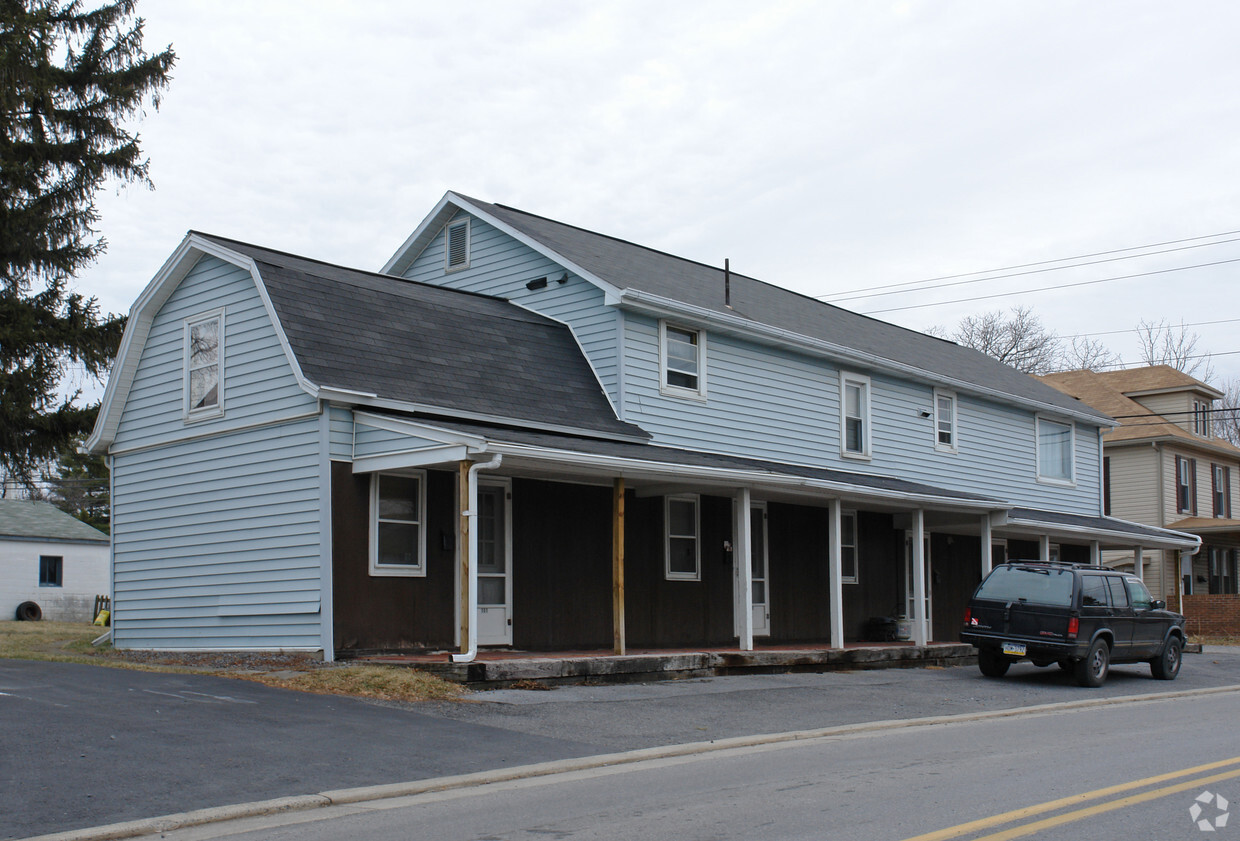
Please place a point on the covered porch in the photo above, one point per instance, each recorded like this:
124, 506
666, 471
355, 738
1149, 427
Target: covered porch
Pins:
555, 543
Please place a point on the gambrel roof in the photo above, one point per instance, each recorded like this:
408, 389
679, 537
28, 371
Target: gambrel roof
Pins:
642, 277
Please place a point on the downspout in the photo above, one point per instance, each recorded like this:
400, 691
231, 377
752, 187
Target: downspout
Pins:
1189, 554
472, 586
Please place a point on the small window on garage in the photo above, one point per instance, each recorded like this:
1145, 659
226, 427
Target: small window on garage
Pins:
51, 571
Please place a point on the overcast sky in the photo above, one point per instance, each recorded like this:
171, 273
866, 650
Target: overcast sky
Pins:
825, 147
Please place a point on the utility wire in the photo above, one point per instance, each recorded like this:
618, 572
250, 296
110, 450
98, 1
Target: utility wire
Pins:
1134, 329
1052, 288
834, 296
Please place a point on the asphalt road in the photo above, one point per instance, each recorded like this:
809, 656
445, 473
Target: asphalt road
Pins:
83, 746
1054, 777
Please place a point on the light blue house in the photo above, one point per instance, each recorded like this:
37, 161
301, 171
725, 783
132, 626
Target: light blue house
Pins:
522, 433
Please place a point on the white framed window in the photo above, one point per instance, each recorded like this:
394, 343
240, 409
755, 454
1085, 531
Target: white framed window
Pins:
1221, 480
848, 547
854, 415
944, 421
204, 366
398, 523
456, 245
1201, 418
683, 555
1185, 485
1055, 445
682, 361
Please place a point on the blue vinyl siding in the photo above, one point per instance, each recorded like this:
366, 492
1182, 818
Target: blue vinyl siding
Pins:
768, 403
217, 543
259, 385
501, 266
341, 436
372, 441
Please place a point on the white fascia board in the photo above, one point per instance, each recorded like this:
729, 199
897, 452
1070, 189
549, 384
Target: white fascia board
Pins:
1173, 539
142, 316
423, 457
426, 231
656, 305
621, 466
337, 395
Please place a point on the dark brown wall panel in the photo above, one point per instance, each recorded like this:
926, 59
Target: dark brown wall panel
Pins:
879, 590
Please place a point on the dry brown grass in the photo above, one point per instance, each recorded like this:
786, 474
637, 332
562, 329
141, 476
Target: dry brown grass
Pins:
70, 642
1206, 639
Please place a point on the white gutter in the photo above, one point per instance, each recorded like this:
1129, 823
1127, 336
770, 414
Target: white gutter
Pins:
472, 550
1184, 553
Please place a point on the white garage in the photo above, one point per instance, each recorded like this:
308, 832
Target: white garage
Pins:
52, 559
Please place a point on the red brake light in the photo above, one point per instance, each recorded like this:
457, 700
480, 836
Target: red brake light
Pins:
968, 615
1074, 625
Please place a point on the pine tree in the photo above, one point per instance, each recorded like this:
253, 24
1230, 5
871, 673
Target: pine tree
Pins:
69, 81
77, 483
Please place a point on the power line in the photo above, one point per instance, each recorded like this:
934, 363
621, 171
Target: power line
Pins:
1134, 329
1052, 288
834, 296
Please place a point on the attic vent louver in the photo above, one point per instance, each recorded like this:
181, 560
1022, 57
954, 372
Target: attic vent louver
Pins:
457, 247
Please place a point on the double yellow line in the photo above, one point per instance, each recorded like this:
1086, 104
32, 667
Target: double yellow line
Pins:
1086, 811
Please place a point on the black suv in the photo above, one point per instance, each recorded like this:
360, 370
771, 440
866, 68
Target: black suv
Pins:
1082, 617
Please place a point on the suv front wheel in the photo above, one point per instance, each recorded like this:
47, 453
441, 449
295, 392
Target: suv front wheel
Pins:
1092, 670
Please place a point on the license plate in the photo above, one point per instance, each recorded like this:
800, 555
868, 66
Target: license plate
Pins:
1017, 648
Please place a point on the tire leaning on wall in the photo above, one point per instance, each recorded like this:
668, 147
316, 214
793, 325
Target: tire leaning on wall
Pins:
29, 612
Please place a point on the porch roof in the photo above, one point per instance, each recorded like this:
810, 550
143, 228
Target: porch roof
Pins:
1109, 531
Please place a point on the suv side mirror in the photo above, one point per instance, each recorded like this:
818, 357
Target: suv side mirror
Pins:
1158, 604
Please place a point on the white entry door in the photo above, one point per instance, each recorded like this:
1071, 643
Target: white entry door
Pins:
909, 600
494, 563
758, 570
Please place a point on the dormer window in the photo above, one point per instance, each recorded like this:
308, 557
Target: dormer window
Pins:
456, 245
204, 366
1201, 418
682, 360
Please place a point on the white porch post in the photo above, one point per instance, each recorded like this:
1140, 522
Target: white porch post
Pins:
1138, 562
988, 560
835, 575
1095, 553
1044, 548
921, 634
742, 555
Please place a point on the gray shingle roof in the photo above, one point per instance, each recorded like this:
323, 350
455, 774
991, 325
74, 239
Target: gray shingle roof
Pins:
424, 344
24, 518
630, 266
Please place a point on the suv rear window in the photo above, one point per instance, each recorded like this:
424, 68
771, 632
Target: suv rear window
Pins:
1028, 584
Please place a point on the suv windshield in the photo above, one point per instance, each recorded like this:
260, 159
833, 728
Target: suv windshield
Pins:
1028, 584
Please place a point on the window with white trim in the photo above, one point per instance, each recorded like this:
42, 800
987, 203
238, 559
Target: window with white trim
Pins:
204, 366
1221, 479
848, 547
398, 523
944, 421
1055, 443
855, 415
682, 547
456, 245
1185, 485
1201, 418
682, 361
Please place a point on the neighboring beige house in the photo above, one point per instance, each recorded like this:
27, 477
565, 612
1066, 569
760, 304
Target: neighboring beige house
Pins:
1163, 467
52, 559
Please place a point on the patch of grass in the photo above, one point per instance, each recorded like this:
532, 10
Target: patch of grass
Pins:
1205, 639
387, 683
70, 642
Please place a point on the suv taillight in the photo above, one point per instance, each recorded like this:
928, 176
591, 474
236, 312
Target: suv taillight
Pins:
1074, 626
968, 615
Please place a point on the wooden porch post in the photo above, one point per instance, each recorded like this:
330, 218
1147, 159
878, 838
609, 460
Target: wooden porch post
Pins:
988, 560
921, 633
462, 547
617, 566
835, 574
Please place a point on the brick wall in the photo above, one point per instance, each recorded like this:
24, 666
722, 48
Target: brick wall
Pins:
1212, 615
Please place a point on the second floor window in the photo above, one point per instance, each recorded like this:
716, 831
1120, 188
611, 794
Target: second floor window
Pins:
1054, 450
204, 365
855, 415
1201, 418
1185, 485
682, 358
945, 421
1221, 480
